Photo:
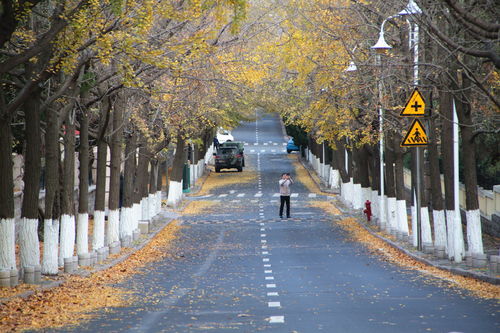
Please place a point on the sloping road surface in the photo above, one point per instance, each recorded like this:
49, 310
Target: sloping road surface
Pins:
242, 268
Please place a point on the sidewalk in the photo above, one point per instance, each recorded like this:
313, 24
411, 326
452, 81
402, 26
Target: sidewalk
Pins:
158, 222
463, 269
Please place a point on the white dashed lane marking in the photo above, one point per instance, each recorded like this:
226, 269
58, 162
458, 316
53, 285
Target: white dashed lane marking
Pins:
277, 319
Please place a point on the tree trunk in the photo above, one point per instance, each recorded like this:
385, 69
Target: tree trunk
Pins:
159, 185
474, 234
7, 221
28, 233
446, 110
390, 189
438, 217
142, 183
82, 242
52, 194
115, 172
68, 230
401, 214
128, 219
100, 191
175, 188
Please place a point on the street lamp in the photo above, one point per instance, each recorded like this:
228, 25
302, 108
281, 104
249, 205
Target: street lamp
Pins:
381, 47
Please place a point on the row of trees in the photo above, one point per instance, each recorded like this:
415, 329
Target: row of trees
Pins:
314, 45
132, 78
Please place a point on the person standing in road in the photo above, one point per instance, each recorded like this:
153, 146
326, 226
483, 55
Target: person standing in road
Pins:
285, 183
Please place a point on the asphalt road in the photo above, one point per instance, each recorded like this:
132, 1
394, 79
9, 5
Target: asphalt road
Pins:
243, 269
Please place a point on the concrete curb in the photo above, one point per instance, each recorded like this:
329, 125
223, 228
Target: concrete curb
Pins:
97, 268
283, 128
454, 270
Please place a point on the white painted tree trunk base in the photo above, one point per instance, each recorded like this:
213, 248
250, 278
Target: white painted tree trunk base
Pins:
82, 234
402, 217
450, 230
440, 234
50, 265
414, 226
98, 235
474, 234
151, 205
113, 226
334, 178
126, 216
366, 194
7, 243
357, 196
458, 238
29, 249
174, 193
67, 244
145, 209
425, 224
158, 202
374, 200
137, 215
392, 220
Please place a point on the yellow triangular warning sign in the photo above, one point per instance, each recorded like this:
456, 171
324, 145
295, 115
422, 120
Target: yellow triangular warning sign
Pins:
415, 107
416, 135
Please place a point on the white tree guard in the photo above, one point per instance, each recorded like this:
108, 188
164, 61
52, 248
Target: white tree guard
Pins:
7, 243
50, 265
98, 234
113, 226
174, 193
67, 245
474, 234
440, 234
425, 224
402, 216
82, 234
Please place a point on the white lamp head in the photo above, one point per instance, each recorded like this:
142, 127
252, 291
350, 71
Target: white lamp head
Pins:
411, 9
381, 46
351, 68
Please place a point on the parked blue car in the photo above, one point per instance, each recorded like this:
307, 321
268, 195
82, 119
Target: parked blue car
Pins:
291, 146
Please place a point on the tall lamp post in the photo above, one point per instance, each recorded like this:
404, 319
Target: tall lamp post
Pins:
381, 47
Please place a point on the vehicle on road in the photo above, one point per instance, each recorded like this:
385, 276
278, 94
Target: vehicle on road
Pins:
224, 135
228, 158
291, 146
235, 144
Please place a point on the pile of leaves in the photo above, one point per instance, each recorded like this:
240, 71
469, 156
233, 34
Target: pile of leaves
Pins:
377, 246
197, 207
326, 206
216, 180
79, 298
303, 176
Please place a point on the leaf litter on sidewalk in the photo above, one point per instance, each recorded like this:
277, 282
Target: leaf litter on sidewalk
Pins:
79, 298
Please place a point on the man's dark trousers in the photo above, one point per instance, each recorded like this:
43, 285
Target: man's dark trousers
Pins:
285, 199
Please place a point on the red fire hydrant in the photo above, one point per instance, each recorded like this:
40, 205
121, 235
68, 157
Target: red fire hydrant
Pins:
368, 210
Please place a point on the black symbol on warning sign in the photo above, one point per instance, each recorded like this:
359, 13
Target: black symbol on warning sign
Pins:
416, 135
